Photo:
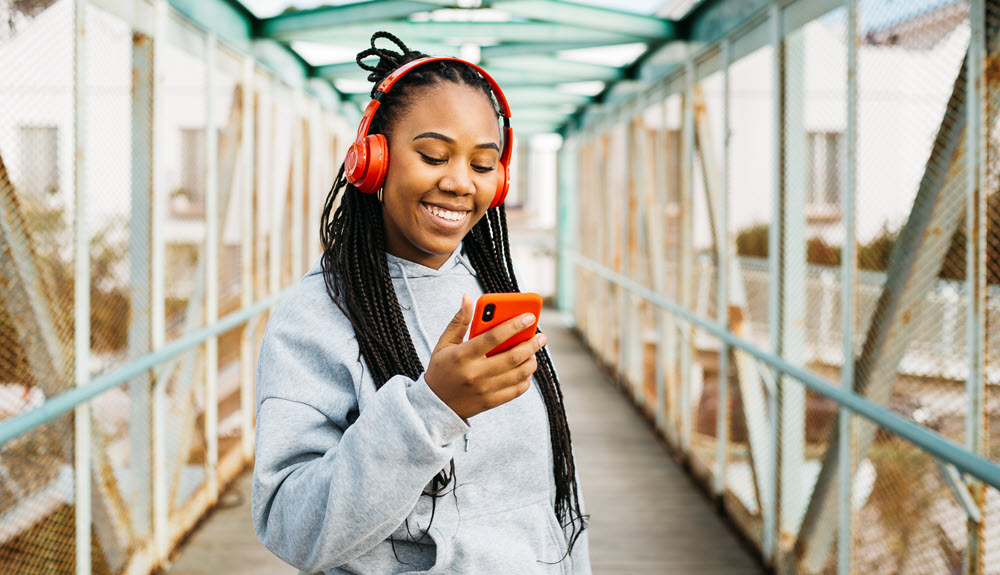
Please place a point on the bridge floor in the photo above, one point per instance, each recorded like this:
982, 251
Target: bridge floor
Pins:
647, 515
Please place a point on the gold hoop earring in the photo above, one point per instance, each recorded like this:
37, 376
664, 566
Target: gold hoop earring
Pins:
380, 195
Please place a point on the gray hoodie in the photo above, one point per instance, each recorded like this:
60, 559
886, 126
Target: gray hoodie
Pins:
340, 468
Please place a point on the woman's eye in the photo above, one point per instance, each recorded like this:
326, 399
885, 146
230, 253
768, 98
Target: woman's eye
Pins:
432, 161
483, 169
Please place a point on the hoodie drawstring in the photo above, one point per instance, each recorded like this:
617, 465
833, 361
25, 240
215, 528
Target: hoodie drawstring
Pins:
416, 309
420, 322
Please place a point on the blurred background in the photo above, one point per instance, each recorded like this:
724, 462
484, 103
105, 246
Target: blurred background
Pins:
752, 212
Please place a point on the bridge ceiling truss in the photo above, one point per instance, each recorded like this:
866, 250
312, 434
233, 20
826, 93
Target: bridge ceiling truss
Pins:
554, 58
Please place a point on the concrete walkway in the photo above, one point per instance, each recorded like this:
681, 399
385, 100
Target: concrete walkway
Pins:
647, 516
225, 542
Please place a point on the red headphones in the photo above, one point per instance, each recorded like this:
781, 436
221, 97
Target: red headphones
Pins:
368, 158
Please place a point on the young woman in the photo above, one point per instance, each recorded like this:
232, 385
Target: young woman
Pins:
386, 441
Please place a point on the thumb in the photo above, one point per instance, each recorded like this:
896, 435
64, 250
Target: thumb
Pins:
454, 334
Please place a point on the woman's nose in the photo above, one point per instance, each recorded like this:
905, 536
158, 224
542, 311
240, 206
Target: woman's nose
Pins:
458, 180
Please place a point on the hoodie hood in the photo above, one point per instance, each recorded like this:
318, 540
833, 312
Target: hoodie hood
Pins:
399, 267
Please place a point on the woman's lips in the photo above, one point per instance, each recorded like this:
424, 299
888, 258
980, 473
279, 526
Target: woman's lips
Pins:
444, 220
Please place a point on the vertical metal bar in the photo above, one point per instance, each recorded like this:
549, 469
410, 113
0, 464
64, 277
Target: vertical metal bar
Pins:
276, 197
81, 290
158, 279
568, 198
976, 205
685, 277
211, 269
792, 280
622, 241
247, 151
848, 298
661, 280
298, 186
722, 286
317, 130
774, 291
139, 329
635, 350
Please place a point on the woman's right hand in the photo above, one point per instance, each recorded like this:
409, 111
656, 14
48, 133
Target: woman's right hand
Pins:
469, 382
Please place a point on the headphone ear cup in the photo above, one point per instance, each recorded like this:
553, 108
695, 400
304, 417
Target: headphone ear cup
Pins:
356, 162
378, 164
503, 185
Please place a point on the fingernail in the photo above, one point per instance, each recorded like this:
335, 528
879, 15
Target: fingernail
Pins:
541, 340
527, 319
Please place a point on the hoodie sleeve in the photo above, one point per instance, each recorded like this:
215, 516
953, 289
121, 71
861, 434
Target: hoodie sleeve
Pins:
327, 489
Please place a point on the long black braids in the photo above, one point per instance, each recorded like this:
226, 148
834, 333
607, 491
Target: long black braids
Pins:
357, 279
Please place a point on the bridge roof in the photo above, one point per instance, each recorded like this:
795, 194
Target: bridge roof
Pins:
554, 58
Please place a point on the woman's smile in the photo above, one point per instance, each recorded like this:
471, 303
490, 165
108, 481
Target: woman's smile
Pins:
449, 219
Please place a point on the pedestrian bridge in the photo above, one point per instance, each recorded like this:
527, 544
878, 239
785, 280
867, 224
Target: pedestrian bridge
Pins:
767, 232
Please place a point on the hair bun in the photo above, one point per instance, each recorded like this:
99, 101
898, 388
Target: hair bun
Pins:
388, 60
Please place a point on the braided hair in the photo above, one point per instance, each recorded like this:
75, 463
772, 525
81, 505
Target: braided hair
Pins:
356, 272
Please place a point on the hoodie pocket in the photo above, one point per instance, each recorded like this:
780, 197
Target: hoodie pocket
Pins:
526, 540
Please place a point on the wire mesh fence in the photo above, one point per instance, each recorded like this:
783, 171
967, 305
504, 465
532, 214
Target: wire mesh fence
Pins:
36, 304
162, 443
814, 136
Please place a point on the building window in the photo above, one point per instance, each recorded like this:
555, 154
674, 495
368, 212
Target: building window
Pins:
39, 162
825, 154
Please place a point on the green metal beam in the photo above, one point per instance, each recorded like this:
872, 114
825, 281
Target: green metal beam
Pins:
235, 25
537, 115
333, 17
543, 97
620, 92
542, 47
540, 78
230, 21
712, 20
556, 69
519, 97
508, 77
592, 17
456, 32
533, 128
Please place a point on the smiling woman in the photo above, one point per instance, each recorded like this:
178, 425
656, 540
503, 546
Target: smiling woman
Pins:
358, 443
440, 181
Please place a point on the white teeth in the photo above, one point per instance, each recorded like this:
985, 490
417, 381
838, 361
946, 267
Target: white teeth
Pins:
446, 214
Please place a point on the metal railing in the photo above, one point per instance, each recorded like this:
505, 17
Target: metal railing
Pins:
153, 317
767, 416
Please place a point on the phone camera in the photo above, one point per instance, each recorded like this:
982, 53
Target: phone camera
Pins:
488, 311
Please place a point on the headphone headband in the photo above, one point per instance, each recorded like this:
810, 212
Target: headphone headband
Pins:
366, 164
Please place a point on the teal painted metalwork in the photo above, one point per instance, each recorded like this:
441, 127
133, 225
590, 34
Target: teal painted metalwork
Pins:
64, 402
932, 442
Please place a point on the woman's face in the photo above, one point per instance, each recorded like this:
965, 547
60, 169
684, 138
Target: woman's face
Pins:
443, 159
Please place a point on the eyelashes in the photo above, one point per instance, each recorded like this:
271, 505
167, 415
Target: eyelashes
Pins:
432, 161
439, 162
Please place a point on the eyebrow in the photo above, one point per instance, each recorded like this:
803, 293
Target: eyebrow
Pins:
443, 138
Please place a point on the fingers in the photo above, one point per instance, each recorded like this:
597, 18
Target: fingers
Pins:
454, 334
485, 342
515, 356
511, 392
511, 377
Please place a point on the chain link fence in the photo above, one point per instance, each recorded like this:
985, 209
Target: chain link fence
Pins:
791, 172
36, 305
162, 444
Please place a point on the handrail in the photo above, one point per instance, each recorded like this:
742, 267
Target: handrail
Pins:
66, 401
932, 442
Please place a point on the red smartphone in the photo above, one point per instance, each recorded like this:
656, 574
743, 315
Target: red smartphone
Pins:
493, 309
